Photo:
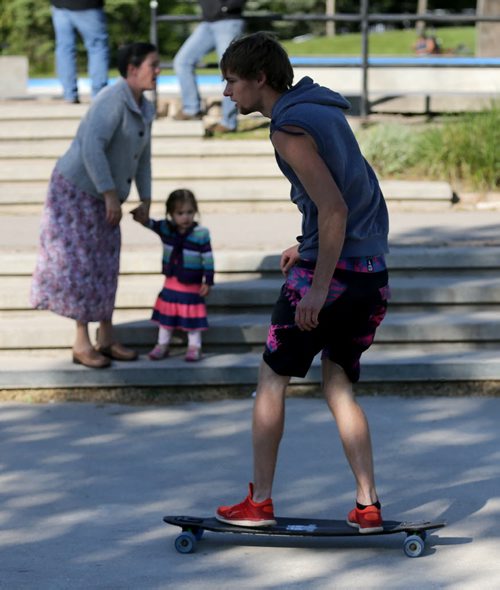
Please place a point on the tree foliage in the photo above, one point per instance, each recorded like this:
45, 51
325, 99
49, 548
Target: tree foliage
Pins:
26, 25
26, 28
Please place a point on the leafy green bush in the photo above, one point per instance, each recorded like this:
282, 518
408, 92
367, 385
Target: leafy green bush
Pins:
390, 148
463, 149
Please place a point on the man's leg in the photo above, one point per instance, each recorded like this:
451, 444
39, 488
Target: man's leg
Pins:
91, 24
268, 425
198, 44
268, 420
353, 430
224, 32
65, 52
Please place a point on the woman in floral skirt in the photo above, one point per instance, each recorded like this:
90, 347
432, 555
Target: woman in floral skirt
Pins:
76, 274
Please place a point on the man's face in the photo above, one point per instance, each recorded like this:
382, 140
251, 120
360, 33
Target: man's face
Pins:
246, 94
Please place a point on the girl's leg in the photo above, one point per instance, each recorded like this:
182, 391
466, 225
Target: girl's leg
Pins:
164, 336
161, 349
194, 346
194, 339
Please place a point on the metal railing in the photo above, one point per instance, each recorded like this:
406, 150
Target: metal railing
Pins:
364, 17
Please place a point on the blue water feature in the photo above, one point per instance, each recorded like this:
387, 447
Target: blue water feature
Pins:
163, 81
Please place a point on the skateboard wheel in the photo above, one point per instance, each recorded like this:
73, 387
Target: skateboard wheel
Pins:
422, 535
185, 542
413, 546
198, 534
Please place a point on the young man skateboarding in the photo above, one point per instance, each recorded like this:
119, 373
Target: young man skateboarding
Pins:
336, 288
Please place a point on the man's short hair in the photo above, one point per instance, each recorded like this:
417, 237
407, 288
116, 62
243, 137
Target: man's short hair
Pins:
249, 55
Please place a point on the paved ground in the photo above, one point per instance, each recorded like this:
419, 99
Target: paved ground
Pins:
84, 489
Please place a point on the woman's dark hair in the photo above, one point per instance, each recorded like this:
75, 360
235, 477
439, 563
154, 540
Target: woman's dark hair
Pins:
250, 55
180, 197
132, 54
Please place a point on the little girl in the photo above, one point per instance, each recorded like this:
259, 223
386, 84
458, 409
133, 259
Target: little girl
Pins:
188, 267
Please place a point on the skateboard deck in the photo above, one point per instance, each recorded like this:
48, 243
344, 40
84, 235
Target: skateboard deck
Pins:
194, 527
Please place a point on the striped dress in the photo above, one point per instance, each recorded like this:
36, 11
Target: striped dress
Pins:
187, 263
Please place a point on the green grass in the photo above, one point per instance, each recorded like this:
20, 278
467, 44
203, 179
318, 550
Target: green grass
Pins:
394, 43
453, 40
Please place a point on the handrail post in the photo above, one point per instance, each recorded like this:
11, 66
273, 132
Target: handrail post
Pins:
153, 27
153, 37
364, 107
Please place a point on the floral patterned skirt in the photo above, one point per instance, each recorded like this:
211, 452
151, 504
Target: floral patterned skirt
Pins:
76, 273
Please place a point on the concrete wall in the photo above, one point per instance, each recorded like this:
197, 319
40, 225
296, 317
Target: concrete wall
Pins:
488, 34
14, 76
406, 80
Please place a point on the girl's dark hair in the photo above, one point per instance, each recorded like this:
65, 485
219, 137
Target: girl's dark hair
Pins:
132, 54
249, 55
180, 197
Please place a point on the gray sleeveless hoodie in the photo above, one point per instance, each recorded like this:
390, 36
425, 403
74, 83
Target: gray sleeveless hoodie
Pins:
319, 111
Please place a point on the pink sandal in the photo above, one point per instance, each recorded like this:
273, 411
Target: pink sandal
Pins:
193, 355
160, 351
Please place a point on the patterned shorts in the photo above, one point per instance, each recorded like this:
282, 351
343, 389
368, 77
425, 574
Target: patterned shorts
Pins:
355, 307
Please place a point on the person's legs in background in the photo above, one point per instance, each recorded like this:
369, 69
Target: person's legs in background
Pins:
224, 31
65, 36
91, 24
198, 44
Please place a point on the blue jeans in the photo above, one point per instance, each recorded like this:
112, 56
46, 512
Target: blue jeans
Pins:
205, 38
91, 25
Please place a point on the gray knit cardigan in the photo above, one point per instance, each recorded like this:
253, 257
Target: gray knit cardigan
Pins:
112, 146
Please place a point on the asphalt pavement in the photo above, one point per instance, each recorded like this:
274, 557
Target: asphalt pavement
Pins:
84, 489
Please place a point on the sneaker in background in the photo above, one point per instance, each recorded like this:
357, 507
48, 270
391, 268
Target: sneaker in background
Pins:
366, 520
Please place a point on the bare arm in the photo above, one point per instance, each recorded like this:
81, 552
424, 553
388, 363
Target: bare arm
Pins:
141, 212
113, 207
288, 258
302, 155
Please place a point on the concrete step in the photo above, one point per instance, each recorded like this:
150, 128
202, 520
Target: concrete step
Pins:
231, 194
40, 110
263, 194
55, 370
37, 330
164, 168
140, 291
249, 330
25, 180
144, 259
64, 127
193, 147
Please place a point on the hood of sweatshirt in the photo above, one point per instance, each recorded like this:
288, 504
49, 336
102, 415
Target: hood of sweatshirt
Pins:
306, 91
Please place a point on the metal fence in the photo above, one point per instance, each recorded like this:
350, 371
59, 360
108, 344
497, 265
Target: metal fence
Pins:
364, 18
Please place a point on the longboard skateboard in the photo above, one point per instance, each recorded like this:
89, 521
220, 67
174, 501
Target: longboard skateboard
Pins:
194, 527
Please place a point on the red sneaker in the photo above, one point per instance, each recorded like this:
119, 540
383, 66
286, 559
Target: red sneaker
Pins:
248, 513
368, 520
